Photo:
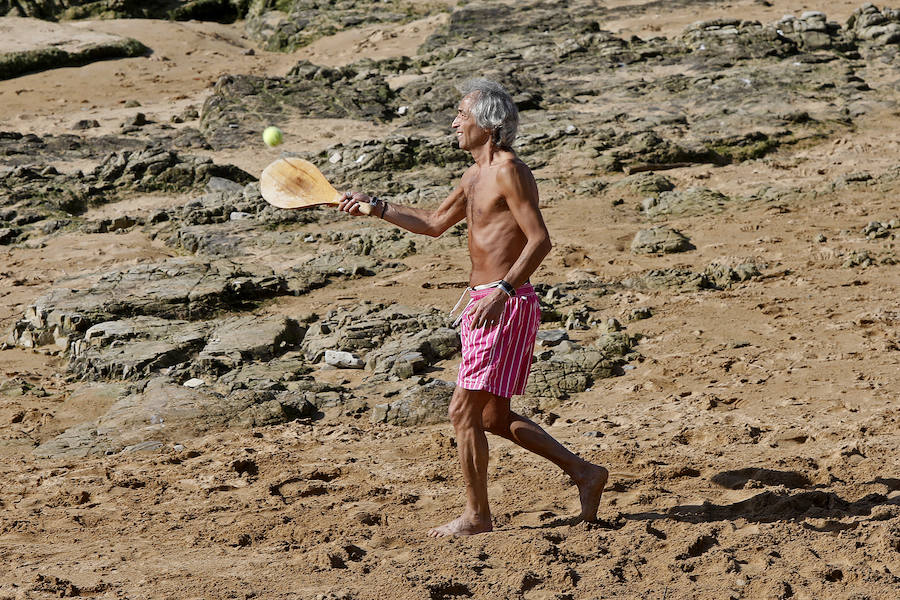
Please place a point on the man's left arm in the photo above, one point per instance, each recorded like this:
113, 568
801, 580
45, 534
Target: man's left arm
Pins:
518, 187
520, 190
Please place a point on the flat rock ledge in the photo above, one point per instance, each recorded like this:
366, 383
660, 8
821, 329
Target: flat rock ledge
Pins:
29, 45
420, 405
180, 288
660, 240
162, 412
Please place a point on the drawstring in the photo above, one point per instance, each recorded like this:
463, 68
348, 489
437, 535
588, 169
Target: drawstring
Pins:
455, 306
483, 286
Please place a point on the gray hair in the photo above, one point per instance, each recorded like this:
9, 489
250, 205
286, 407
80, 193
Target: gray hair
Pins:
493, 109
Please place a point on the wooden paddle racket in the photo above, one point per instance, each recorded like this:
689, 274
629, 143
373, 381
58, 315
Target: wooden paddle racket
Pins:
297, 183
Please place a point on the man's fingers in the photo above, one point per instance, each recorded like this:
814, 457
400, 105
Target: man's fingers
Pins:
345, 203
484, 314
479, 316
482, 320
349, 203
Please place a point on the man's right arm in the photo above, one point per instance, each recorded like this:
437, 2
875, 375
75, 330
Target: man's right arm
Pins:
417, 220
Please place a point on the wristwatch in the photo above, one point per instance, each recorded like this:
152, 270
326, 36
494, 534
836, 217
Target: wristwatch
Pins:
507, 287
375, 202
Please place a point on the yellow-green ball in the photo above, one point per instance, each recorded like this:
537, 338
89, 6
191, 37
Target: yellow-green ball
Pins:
272, 136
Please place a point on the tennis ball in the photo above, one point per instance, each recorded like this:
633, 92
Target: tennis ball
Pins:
272, 136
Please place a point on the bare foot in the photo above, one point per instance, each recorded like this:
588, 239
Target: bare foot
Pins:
461, 526
590, 489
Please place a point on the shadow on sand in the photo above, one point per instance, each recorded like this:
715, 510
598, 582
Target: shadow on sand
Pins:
766, 507
770, 506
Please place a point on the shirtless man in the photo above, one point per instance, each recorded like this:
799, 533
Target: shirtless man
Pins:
498, 197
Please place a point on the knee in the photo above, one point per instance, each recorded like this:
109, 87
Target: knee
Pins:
495, 421
464, 411
456, 415
460, 414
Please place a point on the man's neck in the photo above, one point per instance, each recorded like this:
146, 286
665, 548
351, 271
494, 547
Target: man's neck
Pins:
484, 154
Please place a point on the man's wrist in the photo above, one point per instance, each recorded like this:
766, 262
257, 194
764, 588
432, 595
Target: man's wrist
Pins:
499, 295
507, 288
379, 206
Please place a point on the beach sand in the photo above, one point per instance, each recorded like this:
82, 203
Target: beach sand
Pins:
753, 453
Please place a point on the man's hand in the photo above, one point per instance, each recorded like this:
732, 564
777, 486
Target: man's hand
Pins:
350, 202
486, 312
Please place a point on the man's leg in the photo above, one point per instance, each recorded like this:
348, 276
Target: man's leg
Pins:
590, 478
466, 409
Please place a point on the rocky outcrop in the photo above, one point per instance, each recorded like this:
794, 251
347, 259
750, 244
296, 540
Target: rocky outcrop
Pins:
879, 27
175, 289
158, 319
237, 340
660, 239
242, 105
644, 184
41, 194
299, 22
882, 229
562, 45
224, 11
386, 243
735, 39
409, 355
279, 373
812, 31
723, 276
692, 201
135, 348
419, 405
30, 151
569, 368
393, 341
162, 411
714, 277
14, 64
156, 169
367, 161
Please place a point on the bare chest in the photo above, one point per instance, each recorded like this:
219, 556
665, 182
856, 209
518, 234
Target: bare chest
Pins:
483, 200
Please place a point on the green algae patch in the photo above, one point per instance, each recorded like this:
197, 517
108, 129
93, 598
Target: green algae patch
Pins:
14, 64
748, 151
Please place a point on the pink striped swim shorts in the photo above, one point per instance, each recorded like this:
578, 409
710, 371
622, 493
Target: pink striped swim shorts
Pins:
497, 358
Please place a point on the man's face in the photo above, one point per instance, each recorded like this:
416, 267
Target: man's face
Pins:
468, 134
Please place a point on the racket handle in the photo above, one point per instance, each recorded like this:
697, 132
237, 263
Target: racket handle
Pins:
365, 209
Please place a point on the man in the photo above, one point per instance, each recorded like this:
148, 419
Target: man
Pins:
498, 197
